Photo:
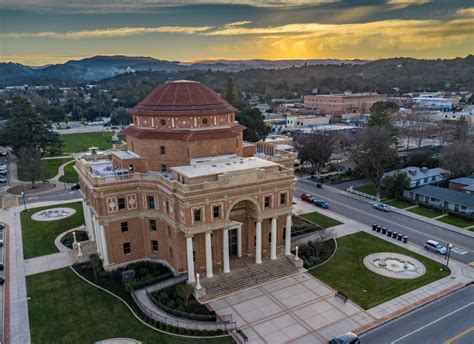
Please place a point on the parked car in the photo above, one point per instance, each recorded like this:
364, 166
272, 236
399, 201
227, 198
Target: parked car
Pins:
347, 338
3, 179
2, 226
75, 186
382, 207
5, 153
308, 197
321, 203
435, 246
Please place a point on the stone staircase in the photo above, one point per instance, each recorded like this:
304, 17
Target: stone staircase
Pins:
248, 276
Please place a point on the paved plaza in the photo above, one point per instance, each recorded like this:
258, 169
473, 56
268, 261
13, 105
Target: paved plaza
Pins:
296, 309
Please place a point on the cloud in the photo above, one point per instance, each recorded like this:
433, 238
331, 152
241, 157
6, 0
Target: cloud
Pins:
466, 12
398, 4
304, 39
238, 23
107, 33
143, 5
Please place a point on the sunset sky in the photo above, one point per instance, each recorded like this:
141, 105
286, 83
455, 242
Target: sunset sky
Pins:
38, 32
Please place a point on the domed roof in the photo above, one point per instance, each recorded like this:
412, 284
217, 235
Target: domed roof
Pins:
183, 97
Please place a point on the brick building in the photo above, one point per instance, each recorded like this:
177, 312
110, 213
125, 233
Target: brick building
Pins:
185, 191
338, 104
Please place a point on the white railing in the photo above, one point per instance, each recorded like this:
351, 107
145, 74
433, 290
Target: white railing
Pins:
351, 190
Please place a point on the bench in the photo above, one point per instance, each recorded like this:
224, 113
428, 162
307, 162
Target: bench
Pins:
341, 296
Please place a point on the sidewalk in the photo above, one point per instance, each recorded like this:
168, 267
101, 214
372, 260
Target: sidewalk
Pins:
49, 262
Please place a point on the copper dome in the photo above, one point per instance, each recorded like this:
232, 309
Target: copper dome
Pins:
183, 97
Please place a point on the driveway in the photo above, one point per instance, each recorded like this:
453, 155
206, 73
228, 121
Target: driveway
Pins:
296, 309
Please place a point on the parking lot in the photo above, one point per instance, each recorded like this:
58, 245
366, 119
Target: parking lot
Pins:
3, 168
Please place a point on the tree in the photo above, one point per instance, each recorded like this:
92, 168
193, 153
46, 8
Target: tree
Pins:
230, 94
382, 115
373, 154
396, 184
120, 116
316, 148
461, 131
256, 128
184, 292
30, 158
458, 158
26, 128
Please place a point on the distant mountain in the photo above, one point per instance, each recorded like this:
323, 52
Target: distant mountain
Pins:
100, 67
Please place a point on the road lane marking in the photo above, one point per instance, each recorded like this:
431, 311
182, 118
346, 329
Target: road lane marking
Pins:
383, 219
459, 335
433, 322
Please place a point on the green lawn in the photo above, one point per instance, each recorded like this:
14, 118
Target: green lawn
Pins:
427, 212
70, 174
399, 204
64, 309
38, 236
80, 142
456, 221
50, 170
346, 272
369, 189
322, 220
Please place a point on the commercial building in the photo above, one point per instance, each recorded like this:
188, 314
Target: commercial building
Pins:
348, 102
301, 121
185, 191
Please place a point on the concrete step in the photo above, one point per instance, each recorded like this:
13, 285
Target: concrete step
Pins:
246, 277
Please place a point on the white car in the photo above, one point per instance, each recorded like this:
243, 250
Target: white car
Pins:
3, 179
382, 207
435, 246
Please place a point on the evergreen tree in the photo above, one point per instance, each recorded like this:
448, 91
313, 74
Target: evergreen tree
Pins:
381, 114
256, 128
230, 94
26, 129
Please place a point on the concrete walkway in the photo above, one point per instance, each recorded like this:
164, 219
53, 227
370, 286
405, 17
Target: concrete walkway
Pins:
49, 262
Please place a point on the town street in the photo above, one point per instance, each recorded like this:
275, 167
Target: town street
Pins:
417, 231
449, 319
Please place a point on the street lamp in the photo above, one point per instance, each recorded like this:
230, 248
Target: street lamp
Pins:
24, 199
448, 253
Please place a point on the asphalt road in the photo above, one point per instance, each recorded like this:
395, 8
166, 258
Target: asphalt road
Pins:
449, 319
417, 231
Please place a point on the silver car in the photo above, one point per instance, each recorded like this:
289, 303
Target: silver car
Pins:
435, 246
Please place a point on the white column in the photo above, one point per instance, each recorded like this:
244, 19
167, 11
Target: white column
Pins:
288, 235
226, 251
88, 216
258, 243
208, 255
105, 254
190, 257
239, 241
95, 228
273, 244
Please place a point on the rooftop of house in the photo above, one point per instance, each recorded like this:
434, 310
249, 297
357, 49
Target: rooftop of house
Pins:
463, 180
221, 165
444, 194
415, 173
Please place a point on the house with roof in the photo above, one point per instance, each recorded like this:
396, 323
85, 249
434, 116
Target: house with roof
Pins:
463, 184
420, 176
442, 198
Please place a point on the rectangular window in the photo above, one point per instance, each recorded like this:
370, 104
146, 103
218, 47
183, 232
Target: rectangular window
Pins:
121, 203
194, 256
283, 198
270, 237
153, 225
151, 202
163, 168
124, 226
197, 215
216, 211
154, 245
162, 150
127, 248
267, 201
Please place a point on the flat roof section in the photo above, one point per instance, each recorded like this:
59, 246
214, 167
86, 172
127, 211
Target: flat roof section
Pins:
227, 165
